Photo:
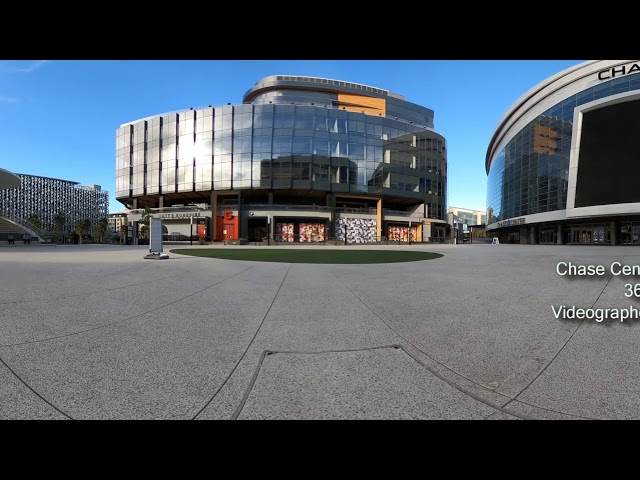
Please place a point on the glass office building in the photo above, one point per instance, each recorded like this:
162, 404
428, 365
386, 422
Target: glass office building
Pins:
300, 158
563, 161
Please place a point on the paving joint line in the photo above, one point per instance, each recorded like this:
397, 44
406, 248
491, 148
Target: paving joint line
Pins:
94, 292
515, 398
266, 353
124, 319
248, 345
34, 391
453, 384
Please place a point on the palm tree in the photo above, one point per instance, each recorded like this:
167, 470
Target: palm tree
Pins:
101, 229
144, 222
35, 221
60, 220
82, 227
123, 233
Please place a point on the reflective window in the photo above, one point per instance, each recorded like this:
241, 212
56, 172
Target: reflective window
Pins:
284, 146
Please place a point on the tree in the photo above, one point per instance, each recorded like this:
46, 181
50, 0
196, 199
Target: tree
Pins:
73, 237
35, 221
145, 220
60, 221
123, 233
82, 227
101, 229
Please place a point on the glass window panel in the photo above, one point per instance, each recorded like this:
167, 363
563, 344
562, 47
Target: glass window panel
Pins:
227, 122
356, 151
281, 145
321, 124
301, 145
320, 147
169, 152
226, 145
225, 171
304, 122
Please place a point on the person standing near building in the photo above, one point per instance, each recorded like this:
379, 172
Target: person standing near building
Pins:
24, 238
11, 239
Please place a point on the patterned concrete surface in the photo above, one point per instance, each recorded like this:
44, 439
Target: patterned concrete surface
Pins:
98, 332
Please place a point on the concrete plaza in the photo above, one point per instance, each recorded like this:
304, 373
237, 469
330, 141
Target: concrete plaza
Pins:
98, 332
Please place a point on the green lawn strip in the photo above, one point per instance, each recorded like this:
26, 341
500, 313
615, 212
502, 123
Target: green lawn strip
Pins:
290, 255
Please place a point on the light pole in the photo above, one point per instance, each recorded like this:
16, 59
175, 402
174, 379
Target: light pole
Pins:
191, 229
345, 230
268, 229
409, 232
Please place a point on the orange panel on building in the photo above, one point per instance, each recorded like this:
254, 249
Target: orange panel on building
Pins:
227, 227
361, 103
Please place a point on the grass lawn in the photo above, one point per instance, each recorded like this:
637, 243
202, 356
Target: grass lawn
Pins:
294, 255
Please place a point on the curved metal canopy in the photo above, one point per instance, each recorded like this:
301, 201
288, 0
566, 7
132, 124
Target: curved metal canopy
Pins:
8, 180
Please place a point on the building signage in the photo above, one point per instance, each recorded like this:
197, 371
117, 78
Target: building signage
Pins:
155, 231
178, 215
512, 222
614, 72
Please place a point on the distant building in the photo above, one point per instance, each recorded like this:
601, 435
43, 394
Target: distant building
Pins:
46, 198
468, 224
469, 216
117, 220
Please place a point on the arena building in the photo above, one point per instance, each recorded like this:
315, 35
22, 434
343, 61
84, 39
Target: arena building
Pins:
302, 159
563, 162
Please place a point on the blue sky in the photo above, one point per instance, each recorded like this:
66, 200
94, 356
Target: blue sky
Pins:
58, 118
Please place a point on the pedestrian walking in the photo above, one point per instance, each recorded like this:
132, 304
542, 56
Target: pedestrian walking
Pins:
24, 238
11, 239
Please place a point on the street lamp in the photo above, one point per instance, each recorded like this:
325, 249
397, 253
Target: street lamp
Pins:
268, 229
345, 230
191, 228
409, 232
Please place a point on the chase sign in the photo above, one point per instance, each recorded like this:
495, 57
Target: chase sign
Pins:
512, 222
614, 72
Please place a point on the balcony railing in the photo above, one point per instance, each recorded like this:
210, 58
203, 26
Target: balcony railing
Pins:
175, 208
295, 207
402, 213
279, 206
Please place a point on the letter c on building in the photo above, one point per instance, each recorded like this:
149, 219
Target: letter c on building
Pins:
228, 214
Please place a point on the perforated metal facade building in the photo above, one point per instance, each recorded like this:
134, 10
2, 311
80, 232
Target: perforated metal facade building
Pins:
48, 197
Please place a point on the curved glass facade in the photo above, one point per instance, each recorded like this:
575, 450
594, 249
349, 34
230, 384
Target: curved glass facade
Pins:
530, 175
276, 147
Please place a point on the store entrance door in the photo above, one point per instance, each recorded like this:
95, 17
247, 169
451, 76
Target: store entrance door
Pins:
227, 231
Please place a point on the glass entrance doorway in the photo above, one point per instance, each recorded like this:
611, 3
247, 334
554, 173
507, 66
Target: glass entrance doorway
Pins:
548, 235
630, 233
589, 234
